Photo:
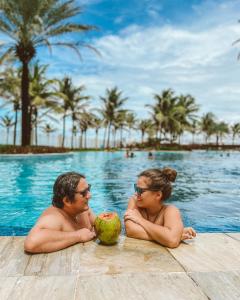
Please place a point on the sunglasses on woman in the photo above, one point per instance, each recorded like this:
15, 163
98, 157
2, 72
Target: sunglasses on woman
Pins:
140, 191
84, 192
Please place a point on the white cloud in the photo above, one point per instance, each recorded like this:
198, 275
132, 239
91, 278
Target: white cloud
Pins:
196, 60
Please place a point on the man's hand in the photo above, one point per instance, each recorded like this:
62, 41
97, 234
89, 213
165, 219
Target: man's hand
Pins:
133, 215
188, 233
85, 235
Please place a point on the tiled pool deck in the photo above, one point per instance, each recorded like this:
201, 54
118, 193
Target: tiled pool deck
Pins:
206, 268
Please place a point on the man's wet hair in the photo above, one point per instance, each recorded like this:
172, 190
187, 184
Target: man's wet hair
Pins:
65, 186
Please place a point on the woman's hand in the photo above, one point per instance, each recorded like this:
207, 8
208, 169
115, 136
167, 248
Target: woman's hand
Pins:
188, 233
133, 215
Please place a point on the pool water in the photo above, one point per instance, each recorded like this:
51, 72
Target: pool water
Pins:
207, 189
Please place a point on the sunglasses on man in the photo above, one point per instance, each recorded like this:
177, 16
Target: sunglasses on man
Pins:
84, 192
140, 191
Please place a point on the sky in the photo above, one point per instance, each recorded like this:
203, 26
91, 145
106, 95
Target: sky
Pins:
147, 46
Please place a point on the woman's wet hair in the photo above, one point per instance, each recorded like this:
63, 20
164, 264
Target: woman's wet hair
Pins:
65, 186
160, 180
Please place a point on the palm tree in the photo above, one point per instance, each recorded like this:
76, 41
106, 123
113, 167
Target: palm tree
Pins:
10, 92
48, 129
193, 128
188, 102
207, 125
30, 24
96, 124
130, 123
220, 129
74, 134
112, 104
235, 131
85, 120
77, 104
144, 125
7, 122
160, 110
71, 105
41, 95
120, 123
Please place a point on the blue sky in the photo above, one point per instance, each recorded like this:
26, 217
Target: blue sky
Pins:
148, 46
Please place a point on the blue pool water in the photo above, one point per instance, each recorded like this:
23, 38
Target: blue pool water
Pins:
207, 189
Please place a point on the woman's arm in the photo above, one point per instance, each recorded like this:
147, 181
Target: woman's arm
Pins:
169, 234
133, 229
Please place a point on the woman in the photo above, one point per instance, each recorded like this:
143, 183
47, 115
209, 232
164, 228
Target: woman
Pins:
148, 218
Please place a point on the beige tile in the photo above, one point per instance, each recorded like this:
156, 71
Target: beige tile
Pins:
7, 286
151, 286
129, 255
219, 285
41, 288
209, 252
13, 260
234, 235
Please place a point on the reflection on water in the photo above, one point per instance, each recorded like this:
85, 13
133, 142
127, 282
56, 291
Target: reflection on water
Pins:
206, 190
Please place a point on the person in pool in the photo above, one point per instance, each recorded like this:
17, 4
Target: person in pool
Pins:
148, 218
68, 221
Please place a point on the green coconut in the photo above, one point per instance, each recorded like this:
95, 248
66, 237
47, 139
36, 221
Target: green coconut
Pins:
108, 227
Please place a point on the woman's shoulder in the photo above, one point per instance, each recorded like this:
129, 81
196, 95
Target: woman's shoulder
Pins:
171, 209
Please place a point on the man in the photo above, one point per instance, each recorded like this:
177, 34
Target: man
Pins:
68, 221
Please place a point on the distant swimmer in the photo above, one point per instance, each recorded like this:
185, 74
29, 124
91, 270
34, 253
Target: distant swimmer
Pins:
127, 153
132, 155
150, 155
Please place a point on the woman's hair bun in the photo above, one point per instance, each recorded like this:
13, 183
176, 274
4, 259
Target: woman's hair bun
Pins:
170, 174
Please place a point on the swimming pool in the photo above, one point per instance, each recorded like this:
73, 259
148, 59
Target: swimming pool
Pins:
207, 189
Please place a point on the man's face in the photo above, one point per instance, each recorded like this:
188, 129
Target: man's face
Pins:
82, 196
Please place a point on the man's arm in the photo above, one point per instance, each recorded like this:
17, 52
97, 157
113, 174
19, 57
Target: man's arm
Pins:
47, 236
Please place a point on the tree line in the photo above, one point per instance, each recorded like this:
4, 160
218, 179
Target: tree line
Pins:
170, 116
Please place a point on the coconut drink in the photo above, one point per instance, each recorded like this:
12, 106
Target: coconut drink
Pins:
108, 227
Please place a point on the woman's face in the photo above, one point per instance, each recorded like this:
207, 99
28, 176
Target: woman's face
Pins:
147, 199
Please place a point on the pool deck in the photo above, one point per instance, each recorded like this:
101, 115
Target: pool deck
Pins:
206, 268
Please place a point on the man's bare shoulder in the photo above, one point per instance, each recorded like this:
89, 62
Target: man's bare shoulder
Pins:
51, 218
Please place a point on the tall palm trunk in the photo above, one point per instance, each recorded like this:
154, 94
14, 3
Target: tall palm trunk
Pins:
64, 128
7, 134
121, 137
36, 127
26, 116
81, 139
96, 139
72, 140
104, 136
114, 137
48, 138
142, 135
109, 132
15, 127
193, 136
85, 139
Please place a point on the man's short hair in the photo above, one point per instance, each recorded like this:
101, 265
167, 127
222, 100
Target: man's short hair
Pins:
65, 186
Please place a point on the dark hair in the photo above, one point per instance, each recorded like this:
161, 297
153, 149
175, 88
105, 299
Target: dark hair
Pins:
65, 186
160, 180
